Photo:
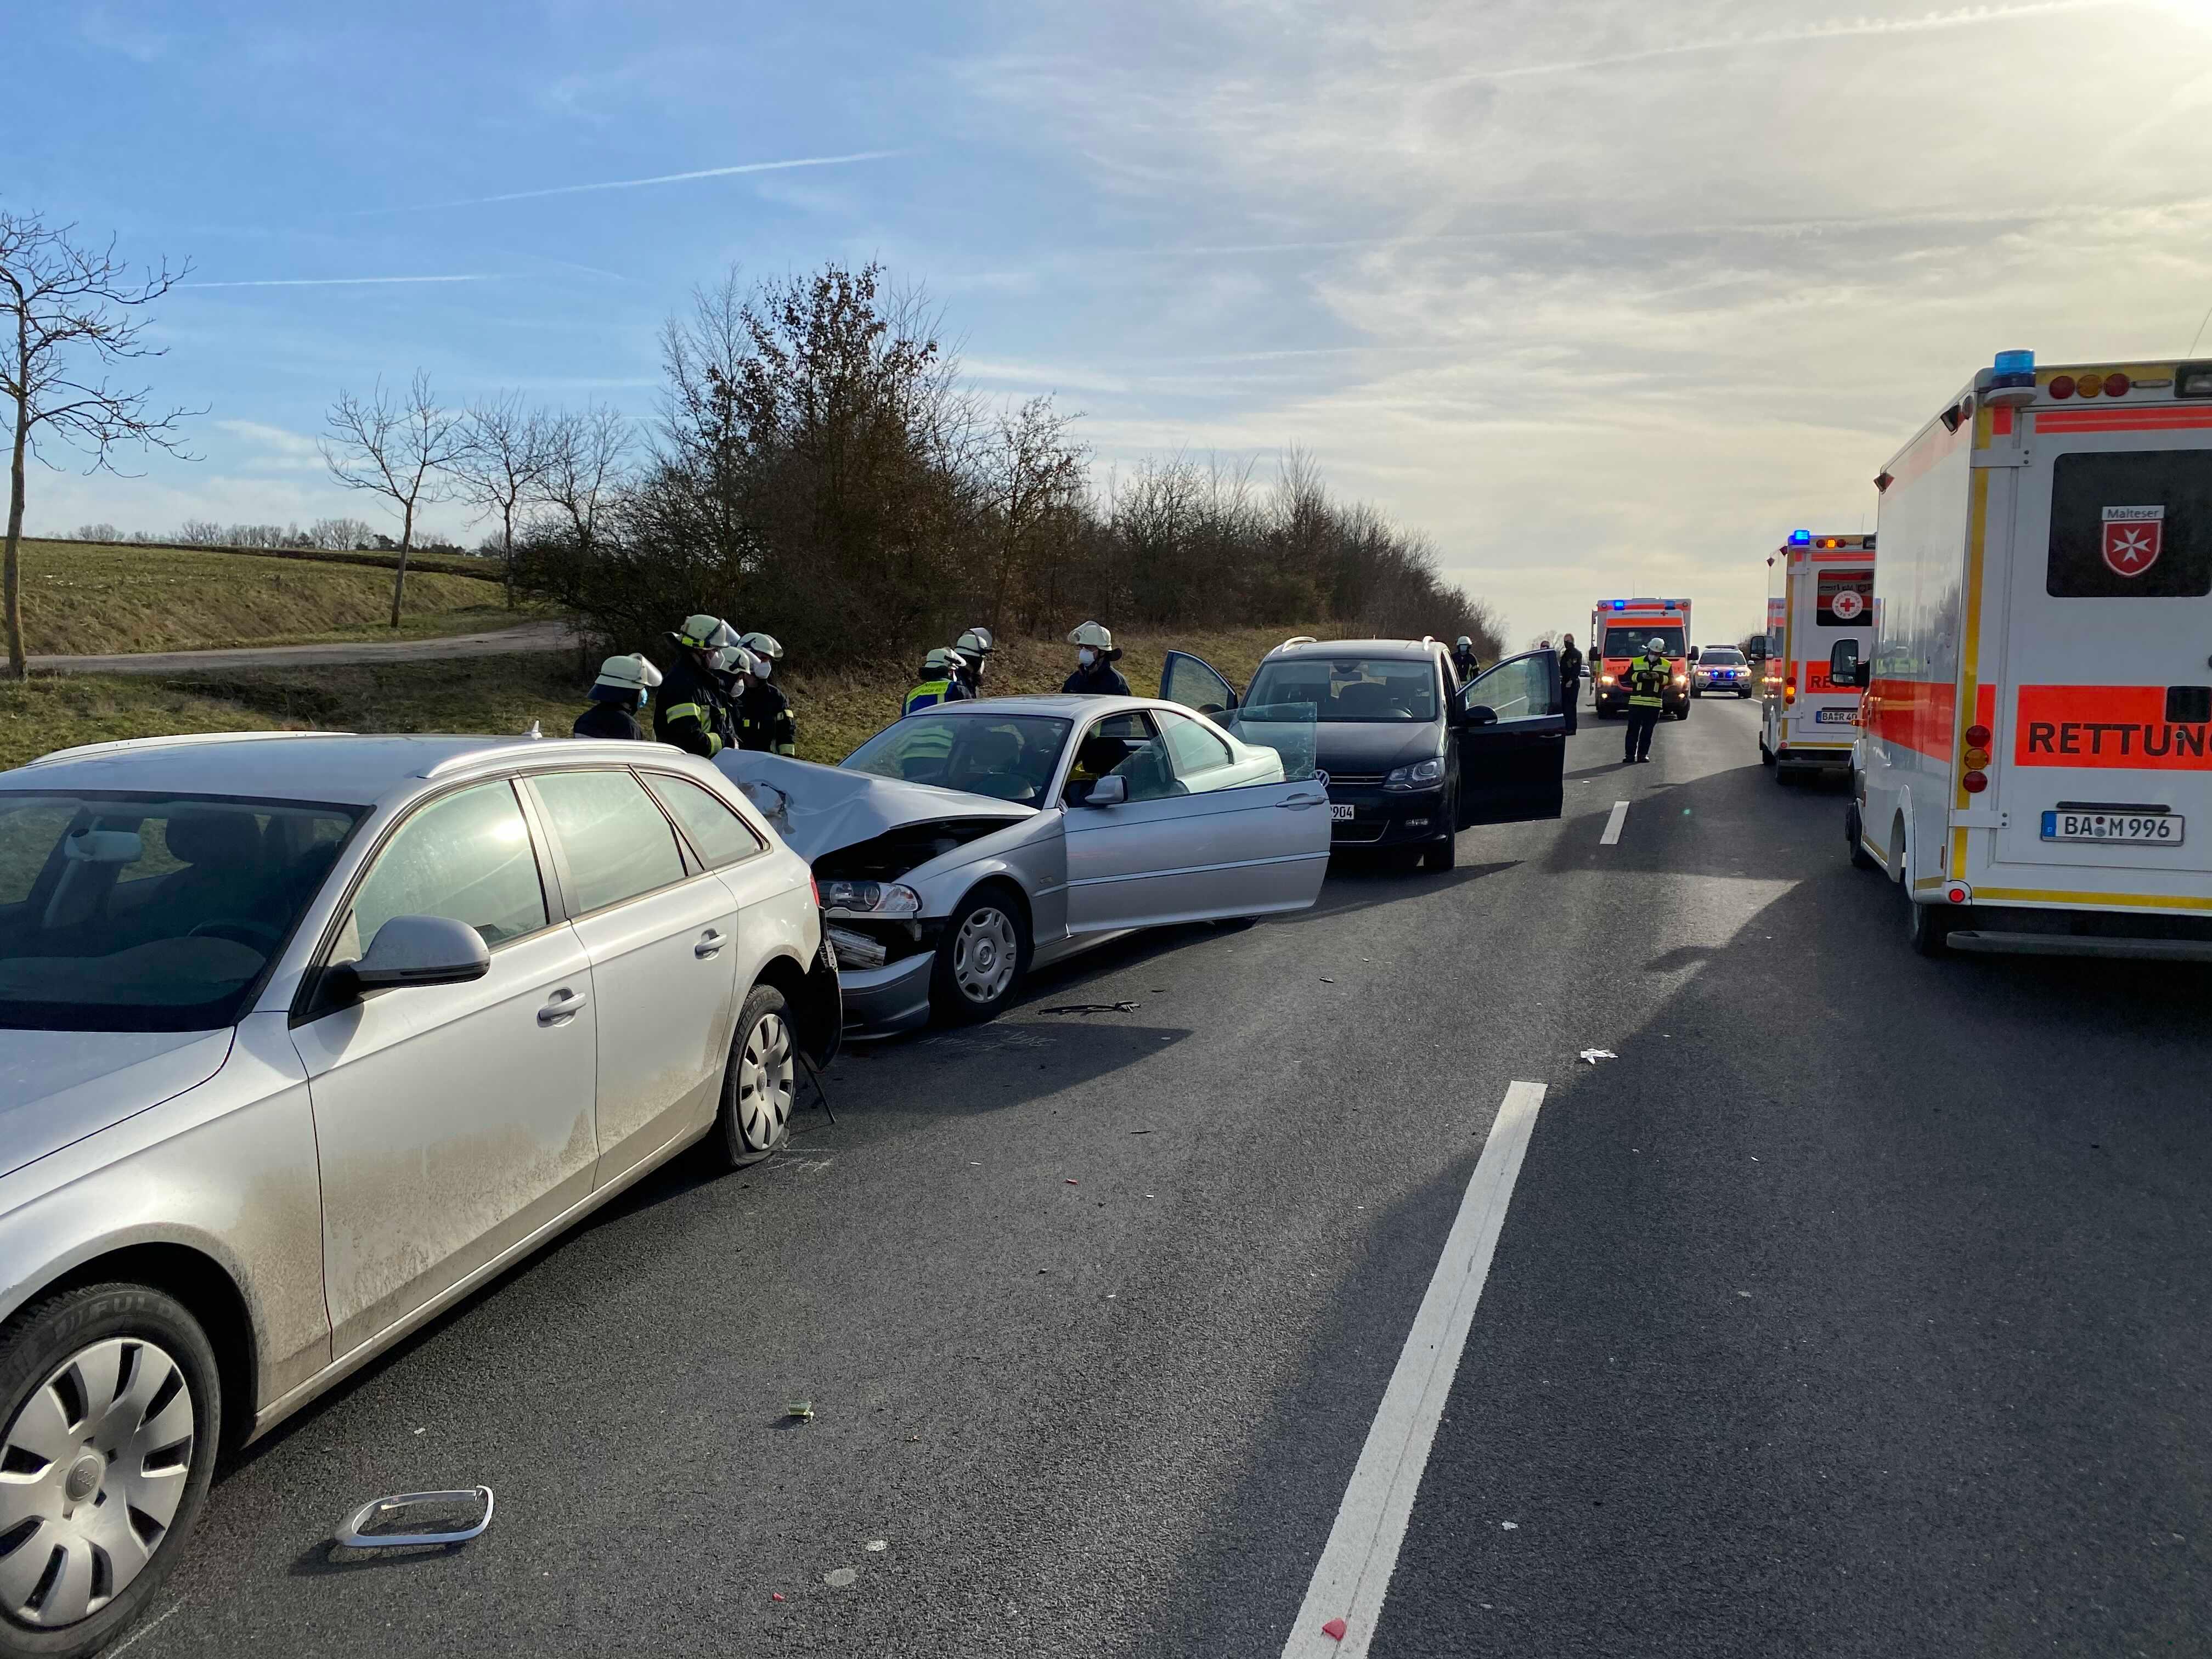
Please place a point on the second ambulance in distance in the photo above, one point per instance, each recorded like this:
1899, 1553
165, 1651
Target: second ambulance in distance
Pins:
2037, 769
1620, 631
1819, 594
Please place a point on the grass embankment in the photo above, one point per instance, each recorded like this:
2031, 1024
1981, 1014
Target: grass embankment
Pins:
86, 599
500, 694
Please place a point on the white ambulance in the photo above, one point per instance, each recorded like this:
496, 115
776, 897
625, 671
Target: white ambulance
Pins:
2036, 772
1819, 594
1620, 629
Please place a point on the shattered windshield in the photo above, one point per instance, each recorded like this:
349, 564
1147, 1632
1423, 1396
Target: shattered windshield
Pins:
1007, 757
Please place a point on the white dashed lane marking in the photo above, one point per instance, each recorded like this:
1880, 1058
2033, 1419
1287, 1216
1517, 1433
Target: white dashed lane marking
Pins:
1344, 1598
1611, 835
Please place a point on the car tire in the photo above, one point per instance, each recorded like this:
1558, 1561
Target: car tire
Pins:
982, 958
760, 1083
1927, 927
56, 1358
1861, 859
1440, 854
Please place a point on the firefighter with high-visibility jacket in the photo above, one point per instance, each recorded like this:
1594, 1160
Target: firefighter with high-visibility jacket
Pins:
1647, 679
941, 682
690, 713
764, 716
623, 689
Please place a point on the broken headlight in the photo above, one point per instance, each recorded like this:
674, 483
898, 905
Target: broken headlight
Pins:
870, 898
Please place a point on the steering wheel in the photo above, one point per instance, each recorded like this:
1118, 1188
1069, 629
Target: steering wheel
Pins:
254, 935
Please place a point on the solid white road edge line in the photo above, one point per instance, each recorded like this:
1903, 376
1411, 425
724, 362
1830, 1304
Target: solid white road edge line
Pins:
1354, 1574
1611, 835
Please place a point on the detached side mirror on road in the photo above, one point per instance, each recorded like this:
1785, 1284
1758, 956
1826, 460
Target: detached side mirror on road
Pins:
417, 950
1108, 791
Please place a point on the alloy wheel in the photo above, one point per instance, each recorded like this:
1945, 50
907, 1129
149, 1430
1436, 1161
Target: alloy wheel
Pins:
92, 1470
985, 954
767, 1082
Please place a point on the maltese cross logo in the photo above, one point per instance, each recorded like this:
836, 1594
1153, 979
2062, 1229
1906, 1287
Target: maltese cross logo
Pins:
2134, 538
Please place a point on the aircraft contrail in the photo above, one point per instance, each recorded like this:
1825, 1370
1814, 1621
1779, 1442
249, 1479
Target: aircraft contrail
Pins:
658, 179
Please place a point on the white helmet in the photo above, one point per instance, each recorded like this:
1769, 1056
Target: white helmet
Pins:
1655, 646
1463, 643
944, 659
762, 645
1091, 634
702, 633
976, 642
734, 659
631, 673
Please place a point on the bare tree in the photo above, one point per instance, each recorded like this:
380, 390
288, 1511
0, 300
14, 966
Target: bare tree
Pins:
404, 451
583, 455
70, 311
341, 535
503, 461
1033, 478
200, 533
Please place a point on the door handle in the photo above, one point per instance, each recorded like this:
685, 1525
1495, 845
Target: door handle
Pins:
710, 943
1296, 801
563, 1006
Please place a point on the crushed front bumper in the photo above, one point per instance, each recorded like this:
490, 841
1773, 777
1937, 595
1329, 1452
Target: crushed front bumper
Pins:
880, 1001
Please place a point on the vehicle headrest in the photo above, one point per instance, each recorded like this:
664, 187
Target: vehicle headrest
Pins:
213, 839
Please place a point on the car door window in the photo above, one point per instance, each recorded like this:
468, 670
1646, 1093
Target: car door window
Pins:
614, 842
715, 831
1194, 684
466, 856
1127, 746
1194, 753
1516, 688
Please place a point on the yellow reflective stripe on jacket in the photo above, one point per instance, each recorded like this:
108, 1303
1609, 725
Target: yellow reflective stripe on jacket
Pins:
1642, 673
684, 711
790, 749
931, 691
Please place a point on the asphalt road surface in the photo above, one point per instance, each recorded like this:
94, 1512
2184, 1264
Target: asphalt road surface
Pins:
1858, 1307
490, 642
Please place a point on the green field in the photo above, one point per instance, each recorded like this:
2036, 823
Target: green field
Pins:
85, 599
505, 694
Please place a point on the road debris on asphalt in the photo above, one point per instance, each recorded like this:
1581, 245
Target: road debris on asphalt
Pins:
1134, 1132
838, 1577
1092, 1008
1510, 1526
1333, 1630
1591, 1056
409, 1519
877, 1546
801, 1408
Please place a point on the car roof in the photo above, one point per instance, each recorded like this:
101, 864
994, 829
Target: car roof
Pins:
1063, 703
1399, 650
342, 768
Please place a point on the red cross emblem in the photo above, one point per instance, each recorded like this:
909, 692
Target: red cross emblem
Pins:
2134, 538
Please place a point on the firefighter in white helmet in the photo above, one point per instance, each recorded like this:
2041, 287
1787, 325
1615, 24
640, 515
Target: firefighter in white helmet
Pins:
941, 682
1647, 679
764, 718
975, 648
625, 687
1466, 663
1095, 675
692, 713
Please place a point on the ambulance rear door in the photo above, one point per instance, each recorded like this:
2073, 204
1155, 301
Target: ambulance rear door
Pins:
2104, 712
1832, 596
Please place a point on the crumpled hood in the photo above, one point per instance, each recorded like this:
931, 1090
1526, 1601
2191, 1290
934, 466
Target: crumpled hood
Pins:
818, 809
57, 1087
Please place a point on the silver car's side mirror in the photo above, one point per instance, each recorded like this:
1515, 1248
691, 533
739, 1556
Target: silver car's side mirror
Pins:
1108, 791
410, 950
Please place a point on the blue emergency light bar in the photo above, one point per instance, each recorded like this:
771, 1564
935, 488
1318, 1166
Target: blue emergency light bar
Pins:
1801, 538
2014, 368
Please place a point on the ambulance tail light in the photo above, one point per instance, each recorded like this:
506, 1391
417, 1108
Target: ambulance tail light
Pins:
1974, 783
1958, 893
1788, 691
1978, 737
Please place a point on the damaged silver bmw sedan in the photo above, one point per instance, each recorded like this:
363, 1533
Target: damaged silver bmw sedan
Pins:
965, 845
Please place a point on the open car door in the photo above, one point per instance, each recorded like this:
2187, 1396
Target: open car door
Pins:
1512, 740
1195, 683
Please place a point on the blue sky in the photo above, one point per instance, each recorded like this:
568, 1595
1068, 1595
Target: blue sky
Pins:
1604, 297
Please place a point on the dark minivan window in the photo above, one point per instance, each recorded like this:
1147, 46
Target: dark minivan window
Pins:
2132, 526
